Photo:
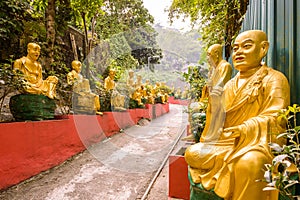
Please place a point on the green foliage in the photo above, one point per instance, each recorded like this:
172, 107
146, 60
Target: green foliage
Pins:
121, 16
13, 14
183, 45
283, 173
85, 10
220, 20
195, 80
143, 45
9, 81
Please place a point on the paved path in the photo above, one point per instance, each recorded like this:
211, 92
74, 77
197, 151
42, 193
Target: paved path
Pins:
118, 168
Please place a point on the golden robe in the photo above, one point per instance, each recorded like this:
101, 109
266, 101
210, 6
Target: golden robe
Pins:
231, 165
34, 83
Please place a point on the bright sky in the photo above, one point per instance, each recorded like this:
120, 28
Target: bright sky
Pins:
157, 7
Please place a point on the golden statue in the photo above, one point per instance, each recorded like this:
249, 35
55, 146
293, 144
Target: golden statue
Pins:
230, 160
138, 95
109, 81
117, 100
220, 70
130, 80
81, 87
149, 92
158, 93
32, 70
138, 82
219, 74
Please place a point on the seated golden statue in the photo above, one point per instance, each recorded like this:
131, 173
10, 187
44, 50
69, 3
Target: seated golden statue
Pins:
81, 87
158, 93
32, 70
138, 82
138, 95
149, 92
165, 90
231, 159
185, 93
130, 80
177, 94
109, 81
117, 100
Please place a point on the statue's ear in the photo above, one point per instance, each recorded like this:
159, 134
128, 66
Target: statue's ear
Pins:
264, 48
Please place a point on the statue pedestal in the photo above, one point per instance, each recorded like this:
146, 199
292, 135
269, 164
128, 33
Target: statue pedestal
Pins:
31, 107
179, 186
83, 104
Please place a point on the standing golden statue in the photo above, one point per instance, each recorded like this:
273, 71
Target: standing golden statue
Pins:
231, 160
32, 70
220, 69
81, 88
219, 74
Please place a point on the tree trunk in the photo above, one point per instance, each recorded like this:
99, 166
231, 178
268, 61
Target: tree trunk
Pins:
50, 28
86, 49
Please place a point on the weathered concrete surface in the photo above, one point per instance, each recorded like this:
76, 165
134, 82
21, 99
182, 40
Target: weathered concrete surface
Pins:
118, 168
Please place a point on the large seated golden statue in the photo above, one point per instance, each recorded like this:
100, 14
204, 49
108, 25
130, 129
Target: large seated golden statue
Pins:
32, 71
231, 159
81, 88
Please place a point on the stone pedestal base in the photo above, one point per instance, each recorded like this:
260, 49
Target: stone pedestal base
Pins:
83, 104
31, 107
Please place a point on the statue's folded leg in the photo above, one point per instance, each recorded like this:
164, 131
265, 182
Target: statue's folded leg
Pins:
199, 192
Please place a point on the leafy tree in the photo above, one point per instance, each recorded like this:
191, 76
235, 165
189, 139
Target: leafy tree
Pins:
13, 14
132, 19
220, 20
121, 16
144, 46
86, 14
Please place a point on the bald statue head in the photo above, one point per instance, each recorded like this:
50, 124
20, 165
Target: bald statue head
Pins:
33, 51
214, 54
249, 48
76, 65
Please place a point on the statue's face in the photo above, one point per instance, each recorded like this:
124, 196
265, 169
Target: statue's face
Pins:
77, 67
211, 58
34, 51
112, 73
247, 51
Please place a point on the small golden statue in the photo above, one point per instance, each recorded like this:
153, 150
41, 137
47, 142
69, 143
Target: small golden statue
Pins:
158, 93
117, 100
130, 80
149, 92
138, 82
81, 87
32, 70
230, 160
109, 81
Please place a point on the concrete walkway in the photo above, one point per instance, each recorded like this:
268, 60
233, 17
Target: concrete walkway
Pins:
118, 168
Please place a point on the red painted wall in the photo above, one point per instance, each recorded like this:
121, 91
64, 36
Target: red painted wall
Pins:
28, 148
184, 102
179, 185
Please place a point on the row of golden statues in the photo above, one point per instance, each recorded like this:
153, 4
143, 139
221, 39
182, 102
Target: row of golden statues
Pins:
34, 84
240, 118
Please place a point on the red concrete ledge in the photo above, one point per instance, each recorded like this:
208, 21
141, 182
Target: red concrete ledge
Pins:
184, 102
179, 185
28, 148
